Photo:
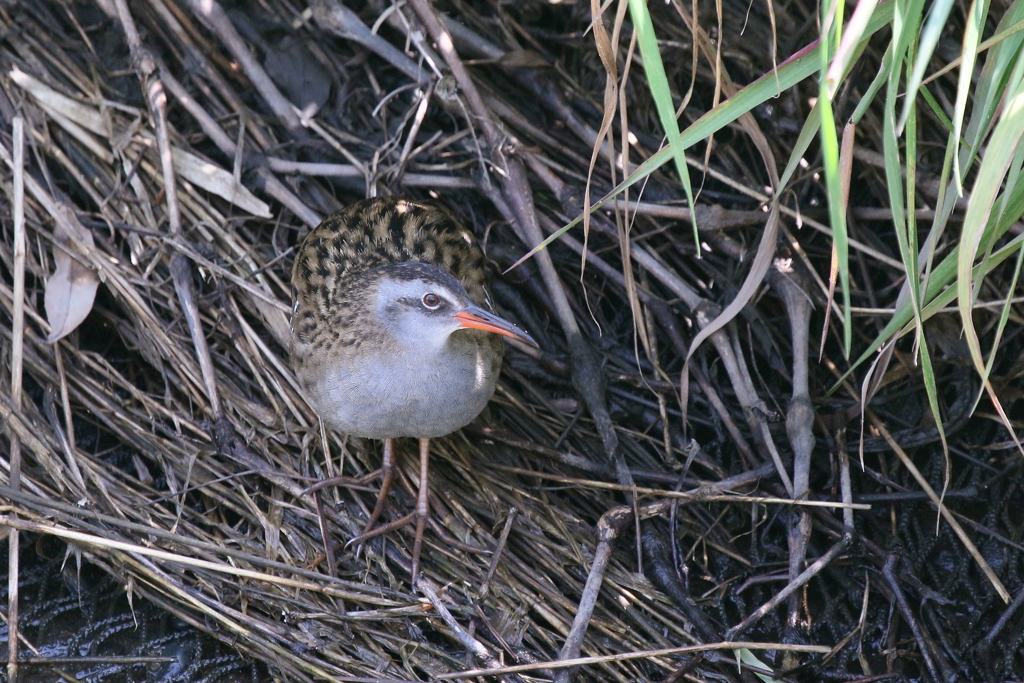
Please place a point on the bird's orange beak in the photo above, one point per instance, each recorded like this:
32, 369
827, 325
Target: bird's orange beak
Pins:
476, 318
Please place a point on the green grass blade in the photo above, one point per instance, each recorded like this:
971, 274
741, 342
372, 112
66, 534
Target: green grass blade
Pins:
936, 109
929, 39
1001, 150
989, 89
657, 81
853, 37
869, 95
972, 36
795, 69
1012, 177
938, 292
836, 212
905, 224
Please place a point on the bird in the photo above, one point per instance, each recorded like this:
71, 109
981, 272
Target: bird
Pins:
391, 335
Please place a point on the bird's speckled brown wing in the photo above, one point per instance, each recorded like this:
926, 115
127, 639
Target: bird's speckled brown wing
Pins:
364, 235
374, 232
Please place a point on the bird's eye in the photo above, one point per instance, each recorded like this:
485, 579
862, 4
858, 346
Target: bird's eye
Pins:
431, 300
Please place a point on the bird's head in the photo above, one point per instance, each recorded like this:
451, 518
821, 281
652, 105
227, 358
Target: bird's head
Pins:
421, 305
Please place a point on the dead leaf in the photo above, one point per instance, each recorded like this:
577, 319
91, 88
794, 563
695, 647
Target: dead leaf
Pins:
71, 290
215, 179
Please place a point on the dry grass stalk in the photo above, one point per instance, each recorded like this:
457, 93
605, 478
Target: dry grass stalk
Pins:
142, 416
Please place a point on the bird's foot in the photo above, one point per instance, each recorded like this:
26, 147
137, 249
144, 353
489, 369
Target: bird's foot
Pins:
373, 532
420, 514
421, 523
344, 481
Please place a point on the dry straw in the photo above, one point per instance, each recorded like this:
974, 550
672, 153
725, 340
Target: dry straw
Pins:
186, 474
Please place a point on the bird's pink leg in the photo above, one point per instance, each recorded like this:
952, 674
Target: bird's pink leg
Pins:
420, 514
387, 471
387, 468
422, 506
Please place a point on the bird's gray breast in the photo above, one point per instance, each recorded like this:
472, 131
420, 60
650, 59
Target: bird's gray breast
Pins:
403, 393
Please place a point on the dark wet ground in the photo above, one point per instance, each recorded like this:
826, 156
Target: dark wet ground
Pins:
67, 612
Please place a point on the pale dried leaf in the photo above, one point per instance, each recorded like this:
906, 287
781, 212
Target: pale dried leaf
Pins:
85, 116
215, 179
71, 290
79, 133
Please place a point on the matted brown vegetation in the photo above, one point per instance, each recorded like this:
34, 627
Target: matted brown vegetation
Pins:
189, 481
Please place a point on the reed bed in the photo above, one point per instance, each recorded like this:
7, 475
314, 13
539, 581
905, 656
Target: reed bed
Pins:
165, 440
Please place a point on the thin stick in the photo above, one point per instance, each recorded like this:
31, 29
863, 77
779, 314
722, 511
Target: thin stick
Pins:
72, 514
101, 542
213, 16
474, 646
713, 492
648, 654
608, 529
54, 661
817, 566
17, 347
957, 529
502, 540
156, 98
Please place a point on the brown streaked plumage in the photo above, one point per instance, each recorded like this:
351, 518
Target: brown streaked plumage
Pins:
390, 332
